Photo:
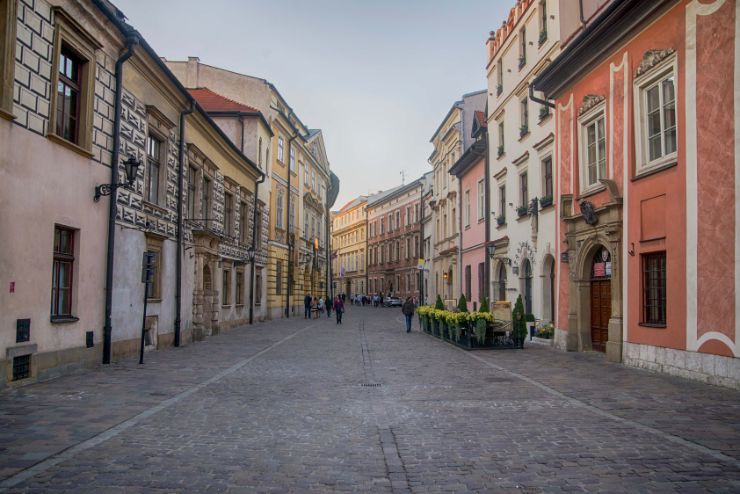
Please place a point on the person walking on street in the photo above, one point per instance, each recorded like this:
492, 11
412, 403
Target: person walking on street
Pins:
329, 304
338, 309
408, 311
307, 306
321, 305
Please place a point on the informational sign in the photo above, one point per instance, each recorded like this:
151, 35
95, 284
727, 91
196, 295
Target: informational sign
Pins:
608, 268
600, 269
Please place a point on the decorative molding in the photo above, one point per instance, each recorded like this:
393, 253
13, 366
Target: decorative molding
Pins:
651, 58
590, 101
539, 146
521, 159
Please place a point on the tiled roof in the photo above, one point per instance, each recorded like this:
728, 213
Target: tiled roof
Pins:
481, 118
214, 102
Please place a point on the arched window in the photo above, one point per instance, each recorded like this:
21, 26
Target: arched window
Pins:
527, 282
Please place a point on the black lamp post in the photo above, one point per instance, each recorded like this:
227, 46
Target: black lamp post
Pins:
131, 166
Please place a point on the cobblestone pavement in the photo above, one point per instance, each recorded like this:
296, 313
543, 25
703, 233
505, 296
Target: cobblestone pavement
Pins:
309, 406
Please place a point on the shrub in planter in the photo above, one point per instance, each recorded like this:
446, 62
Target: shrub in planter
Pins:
462, 304
439, 305
480, 321
519, 325
484, 305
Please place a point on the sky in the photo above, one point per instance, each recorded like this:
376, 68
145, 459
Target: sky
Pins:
377, 76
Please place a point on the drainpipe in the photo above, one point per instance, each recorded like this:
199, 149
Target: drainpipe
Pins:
487, 219
539, 100
290, 245
254, 245
131, 41
178, 265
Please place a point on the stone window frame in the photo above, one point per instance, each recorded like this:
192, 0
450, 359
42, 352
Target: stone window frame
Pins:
281, 150
72, 258
226, 299
239, 291
481, 203
8, 23
543, 160
653, 76
155, 244
158, 127
586, 119
258, 287
69, 33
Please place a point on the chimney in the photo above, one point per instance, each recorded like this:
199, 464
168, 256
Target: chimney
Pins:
191, 74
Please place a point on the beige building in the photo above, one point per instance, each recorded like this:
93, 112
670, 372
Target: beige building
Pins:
301, 186
349, 248
450, 140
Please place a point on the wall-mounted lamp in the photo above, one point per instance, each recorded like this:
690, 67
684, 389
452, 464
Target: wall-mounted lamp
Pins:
631, 250
131, 166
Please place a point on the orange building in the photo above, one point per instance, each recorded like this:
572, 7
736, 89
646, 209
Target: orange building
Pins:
647, 173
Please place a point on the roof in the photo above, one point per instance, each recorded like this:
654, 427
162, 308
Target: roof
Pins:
390, 193
214, 102
352, 203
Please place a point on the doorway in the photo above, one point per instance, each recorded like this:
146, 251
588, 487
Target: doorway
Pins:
601, 299
527, 289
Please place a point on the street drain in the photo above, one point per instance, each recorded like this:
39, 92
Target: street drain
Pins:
370, 385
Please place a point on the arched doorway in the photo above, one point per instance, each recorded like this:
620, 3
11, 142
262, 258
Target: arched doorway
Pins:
527, 285
501, 281
601, 299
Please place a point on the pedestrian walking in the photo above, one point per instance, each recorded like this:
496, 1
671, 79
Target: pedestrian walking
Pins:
338, 309
314, 308
307, 306
408, 311
329, 304
321, 305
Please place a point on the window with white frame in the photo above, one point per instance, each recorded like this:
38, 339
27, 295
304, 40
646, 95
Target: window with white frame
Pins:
281, 150
592, 137
292, 158
279, 209
481, 200
655, 116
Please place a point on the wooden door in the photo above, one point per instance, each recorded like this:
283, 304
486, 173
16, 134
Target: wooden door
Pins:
601, 309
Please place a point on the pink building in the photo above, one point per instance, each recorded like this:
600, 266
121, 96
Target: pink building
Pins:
647, 169
471, 172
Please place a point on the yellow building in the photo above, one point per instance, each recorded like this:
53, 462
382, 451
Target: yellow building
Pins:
349, 243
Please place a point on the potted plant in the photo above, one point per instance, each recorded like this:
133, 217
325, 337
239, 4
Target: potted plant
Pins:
545, 202
500, 151
544, 112
501, 220
522, 61
546, 331
519, 325
481, 321
499, 89
529, 318
523, 130
543, 37
522, 211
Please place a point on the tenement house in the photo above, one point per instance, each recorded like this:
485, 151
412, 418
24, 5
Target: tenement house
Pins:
349, 248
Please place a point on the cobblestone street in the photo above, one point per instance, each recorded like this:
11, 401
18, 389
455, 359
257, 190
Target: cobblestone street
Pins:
296, 406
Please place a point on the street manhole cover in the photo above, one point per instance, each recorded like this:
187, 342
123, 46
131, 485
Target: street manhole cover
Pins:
370, 385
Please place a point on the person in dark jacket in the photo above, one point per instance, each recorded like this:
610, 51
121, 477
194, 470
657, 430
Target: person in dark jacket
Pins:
307, 306
408, 309
338, 308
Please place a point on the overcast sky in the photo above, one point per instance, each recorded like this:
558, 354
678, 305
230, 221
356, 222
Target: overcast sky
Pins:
377, 76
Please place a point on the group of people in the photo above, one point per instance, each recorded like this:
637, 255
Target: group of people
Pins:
314, 307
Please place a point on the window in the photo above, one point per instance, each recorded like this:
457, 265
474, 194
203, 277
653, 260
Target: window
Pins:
7, 54
258, 229
259, 153
69, 87
243, 223
279, 208
468, 283
547, 181
239, 287
305, 224
305, 175
654, 288
226, 287
501, 148
191, 191
205, 199
279, 277
258, 287
481, 278
292, 158
501, 281
656, 117
523, 192
281, 150
154, 246
291, 217
502, 204
481, 200
466, 213
228, 213
500, 77
454, 221
398, 219
543, 21
153, 160
524, 114
73, 84
593, 150
522, 47
61, 277
408, 248
313, 180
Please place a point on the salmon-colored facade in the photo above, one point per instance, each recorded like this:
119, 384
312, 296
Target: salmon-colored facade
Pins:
647, 169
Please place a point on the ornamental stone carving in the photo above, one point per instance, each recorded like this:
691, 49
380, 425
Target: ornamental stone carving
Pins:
589, 101
651, 58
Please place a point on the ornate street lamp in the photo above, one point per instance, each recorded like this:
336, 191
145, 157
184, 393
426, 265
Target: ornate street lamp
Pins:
131, 166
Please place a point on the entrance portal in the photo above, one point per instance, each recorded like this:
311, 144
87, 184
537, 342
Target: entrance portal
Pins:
601, 299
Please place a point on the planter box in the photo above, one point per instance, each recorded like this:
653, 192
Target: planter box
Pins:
436, 329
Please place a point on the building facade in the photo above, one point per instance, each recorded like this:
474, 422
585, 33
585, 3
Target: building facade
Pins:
296, 263
470, 171
644, 217
521, 136
349, 243
394, 240
451, 139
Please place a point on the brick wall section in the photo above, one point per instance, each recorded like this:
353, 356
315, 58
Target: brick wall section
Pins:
33, 57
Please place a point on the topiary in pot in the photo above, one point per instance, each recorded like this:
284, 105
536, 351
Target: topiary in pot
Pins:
519, 325
439, 304
484, 305
462, 304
